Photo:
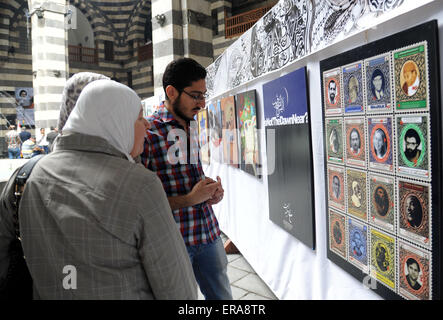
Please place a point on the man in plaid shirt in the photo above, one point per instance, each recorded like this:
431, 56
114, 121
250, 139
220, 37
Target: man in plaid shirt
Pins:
171, 150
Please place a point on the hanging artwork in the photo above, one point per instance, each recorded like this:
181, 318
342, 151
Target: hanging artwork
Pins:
25, 106
229, 133
290, 176
203, 135
390, 176
247, 126
215, 131
289, 31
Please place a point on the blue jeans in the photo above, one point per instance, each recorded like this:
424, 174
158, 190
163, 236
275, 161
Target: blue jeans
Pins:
210, 265
14, 153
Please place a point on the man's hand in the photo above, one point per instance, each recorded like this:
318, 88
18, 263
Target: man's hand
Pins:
203, 190
218, 195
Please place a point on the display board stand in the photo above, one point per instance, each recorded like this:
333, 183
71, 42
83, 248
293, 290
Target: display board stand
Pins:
427, 33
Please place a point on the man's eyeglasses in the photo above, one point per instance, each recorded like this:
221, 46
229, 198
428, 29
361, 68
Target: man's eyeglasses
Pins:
197, 97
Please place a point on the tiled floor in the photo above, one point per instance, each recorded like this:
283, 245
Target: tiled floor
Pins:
245, 283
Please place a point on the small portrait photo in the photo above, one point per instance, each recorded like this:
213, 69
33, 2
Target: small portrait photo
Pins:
413, 152
414, 211
25, 97
358, 244
410, 78
382, 257
355, 142
412, 145
413, 274
337, 233
380, 143
332, 92
336, 187
378, 85
353, 88
381, 201
356, 196
334, 140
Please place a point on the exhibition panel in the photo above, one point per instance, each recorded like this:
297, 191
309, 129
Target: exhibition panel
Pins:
390, 221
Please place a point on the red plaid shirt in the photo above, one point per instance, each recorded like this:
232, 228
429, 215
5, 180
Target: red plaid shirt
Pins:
198, 224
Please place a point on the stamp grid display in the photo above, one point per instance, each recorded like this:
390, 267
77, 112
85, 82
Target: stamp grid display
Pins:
397, 114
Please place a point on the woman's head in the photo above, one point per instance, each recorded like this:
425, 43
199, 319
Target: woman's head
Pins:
71, 92
112, 111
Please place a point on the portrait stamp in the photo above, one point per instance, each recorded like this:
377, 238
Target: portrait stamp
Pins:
358, 244
414, 212
332, 92
413, 152
383, 258
414, 275
336, 187
353, 88
411, 78
355, 141
378, 83
356, 193
380, 143
382, 201
334, 140
337, 233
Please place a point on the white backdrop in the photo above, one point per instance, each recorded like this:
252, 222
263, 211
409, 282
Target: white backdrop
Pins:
289, 268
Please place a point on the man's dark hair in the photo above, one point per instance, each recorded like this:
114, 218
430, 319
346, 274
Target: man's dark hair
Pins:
411, 133
412, 261
181, 73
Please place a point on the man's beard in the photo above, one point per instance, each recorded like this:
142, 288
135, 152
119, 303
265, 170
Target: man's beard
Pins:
177, 110
410, 154
332, 97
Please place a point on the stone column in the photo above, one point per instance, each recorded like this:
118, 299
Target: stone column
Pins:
49, 59
186, 32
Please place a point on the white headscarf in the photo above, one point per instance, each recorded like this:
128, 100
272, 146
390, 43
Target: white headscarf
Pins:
106, 109
71, 92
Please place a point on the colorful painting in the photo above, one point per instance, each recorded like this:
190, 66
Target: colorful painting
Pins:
215, 131
229, 134
203, 135
247, 124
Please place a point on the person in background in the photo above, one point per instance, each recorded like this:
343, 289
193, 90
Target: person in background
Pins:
107, 218
50, 137
43, 142
24, 134
14, 143
190, 194
30, 149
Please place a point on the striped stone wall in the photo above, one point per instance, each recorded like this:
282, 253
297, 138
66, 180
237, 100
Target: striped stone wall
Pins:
219, 42
15, 61
186, 33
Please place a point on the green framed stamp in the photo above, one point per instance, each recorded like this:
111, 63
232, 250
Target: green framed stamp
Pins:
411, 78
413, 151
334, 140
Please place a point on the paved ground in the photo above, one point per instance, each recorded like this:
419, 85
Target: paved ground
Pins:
245, 283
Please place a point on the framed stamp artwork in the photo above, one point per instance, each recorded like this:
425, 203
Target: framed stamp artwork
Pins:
383, 149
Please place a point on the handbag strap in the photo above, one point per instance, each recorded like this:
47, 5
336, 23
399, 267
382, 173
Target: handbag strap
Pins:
20, 181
